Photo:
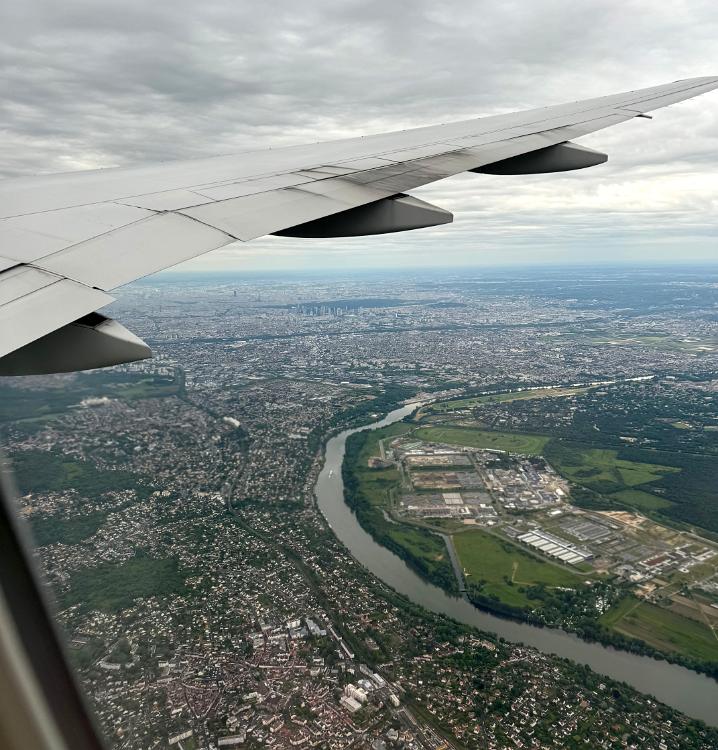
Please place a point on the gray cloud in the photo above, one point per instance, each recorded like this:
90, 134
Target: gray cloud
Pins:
87, 84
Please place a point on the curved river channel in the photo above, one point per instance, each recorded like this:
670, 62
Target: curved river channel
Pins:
694, 694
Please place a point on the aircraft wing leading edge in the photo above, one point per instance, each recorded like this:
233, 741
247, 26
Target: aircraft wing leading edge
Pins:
66, 240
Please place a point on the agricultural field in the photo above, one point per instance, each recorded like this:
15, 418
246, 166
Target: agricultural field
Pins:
505, 568
504, 441
662, 629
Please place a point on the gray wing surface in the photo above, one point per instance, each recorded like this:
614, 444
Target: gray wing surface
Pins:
66, 240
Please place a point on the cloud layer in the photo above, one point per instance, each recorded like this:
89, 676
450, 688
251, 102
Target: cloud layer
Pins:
93, 84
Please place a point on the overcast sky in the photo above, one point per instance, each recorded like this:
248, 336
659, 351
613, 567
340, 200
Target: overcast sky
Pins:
100, 84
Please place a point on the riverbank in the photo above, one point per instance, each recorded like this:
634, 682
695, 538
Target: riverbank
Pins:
365, 490
497, 574
691, 693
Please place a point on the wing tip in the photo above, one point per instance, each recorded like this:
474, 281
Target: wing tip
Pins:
700, 80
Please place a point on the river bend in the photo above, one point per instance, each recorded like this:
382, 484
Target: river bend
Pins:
694, 694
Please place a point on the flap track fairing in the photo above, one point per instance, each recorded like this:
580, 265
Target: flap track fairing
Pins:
92, 341
562, 157
399, 213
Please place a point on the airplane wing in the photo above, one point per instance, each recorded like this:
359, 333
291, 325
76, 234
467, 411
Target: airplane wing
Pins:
66, 240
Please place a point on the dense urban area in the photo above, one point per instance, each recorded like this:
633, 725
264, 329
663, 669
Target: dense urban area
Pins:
560, 468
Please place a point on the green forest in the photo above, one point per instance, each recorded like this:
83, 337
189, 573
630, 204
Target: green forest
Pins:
50, 471
114, 586
27, 405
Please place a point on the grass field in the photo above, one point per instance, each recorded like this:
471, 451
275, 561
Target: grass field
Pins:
662, 629
601, 469
376, 485
618, 611
641, 500
505, 568
497, 398
429, 547
504, 441
372, 438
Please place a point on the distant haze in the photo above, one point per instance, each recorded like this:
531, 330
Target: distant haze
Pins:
89, 84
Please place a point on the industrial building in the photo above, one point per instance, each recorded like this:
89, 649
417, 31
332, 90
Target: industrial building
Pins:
553, 546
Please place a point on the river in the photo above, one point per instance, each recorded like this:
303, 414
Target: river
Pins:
694, 694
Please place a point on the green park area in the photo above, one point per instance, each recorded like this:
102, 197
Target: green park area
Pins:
598, 467
503, 441
72, 530
114, 586
662, 629
376, 484
601, 470
43, 471
641, 500
503, 569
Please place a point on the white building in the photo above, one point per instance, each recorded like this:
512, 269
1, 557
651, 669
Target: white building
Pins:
350, 704
357, 693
